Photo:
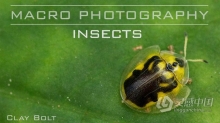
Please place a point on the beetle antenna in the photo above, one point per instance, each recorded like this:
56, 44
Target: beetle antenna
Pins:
197, 60
185, 47
185, 44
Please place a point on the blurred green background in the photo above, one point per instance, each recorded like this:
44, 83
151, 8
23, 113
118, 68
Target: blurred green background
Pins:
44, 71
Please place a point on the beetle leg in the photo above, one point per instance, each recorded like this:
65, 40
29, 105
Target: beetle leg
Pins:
148, 109
170, 48
189, 81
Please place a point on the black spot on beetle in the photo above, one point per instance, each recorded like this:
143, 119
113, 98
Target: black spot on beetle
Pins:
170, 67
136, 73
180, 61
170, 87
175, 64
152, 59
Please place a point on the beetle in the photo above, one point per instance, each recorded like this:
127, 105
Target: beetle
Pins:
155, 81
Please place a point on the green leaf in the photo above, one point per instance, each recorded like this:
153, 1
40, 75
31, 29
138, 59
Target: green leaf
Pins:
46, 72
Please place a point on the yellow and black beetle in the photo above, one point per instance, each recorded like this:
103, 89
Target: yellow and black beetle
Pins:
155, 81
